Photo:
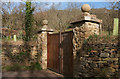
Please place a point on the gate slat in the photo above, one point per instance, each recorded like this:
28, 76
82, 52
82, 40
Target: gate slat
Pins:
64, 64
67, 51
53, 52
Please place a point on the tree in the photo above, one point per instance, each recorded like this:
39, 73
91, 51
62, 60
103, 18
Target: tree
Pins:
28, 21
13, 16
114, 5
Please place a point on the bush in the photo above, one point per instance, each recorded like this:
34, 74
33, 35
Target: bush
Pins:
17, 67
34, 66
14, 67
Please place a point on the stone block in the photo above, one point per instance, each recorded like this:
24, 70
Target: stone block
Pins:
110, 59
112, 55
101, 62
93, 65
96, 58
114, 66
94, 51
112, 69
116, 55
100, 65
104, 55
113, 50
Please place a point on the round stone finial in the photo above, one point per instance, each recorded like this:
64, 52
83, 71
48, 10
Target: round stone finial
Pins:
45, 22
85, 8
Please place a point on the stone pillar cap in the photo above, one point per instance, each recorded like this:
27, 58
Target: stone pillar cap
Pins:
45, 22
85, 8
45, 27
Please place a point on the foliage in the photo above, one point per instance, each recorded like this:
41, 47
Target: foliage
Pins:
17, 58
15, 19
17, 67
14, 67
34, 66
101, 38
28, 21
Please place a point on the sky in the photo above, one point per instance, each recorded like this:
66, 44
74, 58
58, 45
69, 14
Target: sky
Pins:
63, 0
64, 5
92, 3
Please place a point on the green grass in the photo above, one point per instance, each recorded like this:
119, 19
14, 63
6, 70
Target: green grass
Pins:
16, 67
35, 66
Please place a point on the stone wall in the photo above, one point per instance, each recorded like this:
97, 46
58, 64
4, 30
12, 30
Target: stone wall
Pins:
11, 51
82, 31
42, 46
96, 56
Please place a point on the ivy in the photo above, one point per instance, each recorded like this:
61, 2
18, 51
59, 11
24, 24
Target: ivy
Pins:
28, 21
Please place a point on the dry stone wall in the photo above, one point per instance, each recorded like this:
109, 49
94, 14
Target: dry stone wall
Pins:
12, 52
82, 32
96, 56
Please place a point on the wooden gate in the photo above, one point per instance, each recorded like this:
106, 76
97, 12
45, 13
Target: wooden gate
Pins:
60, 53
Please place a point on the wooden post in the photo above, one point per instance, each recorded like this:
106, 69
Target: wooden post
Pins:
15, 38
115, 30
119, 35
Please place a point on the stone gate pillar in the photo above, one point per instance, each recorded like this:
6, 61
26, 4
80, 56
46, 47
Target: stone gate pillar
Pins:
42, 44
85, 26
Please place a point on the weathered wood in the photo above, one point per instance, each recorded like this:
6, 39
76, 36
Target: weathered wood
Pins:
60, 61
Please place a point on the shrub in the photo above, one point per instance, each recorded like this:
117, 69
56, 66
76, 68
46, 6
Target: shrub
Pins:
35, 66
14, 67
